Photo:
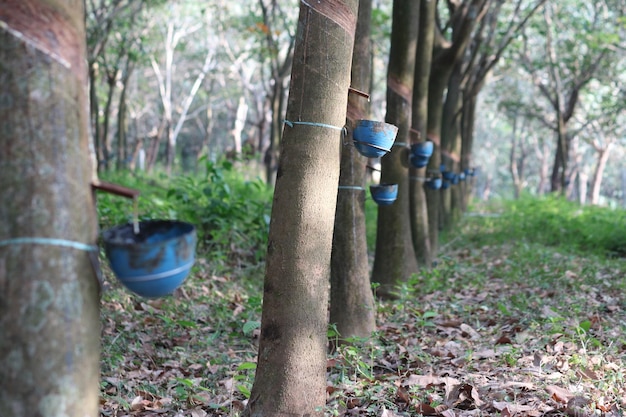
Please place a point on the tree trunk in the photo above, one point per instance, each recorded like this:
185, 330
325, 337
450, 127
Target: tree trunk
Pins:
352, 307
106, 122
419, 120
468, 119
513, 166
271, 154
542, 153
437, 86
395, 258
94, 111
596, 183
451, 147
49, 317
291, 370
122, 145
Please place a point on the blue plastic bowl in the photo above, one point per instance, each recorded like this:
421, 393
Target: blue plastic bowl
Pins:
418, 161
154, 262
422, 149
445, 185
434, 183
375, 134
448, 175
369, 151
384, 194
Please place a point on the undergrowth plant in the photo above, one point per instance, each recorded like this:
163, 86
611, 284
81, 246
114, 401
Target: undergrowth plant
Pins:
554, 221
231, 214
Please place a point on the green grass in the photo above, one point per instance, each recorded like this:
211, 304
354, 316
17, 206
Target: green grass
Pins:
526, 298
553, 221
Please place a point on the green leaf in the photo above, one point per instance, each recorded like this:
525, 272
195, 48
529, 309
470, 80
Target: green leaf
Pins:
249, 326
187, 323
246, 365
585, 326
244, 390
185, 381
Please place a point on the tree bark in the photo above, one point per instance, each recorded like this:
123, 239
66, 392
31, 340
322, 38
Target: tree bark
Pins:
419, 121
352, 307
49, 317
395, 260
291, 370
468, 118
122, 124
464, 16
451, 147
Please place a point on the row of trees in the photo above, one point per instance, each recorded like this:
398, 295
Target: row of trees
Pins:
440, 58
171, 81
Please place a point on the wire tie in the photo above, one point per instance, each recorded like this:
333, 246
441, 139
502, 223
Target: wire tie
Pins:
50, 242
351, 187
403, 144
291, 124
419, 178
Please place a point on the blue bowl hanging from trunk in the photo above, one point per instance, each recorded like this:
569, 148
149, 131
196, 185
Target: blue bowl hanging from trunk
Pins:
154, 262
434, 183
445, 184
455, 179
384, 194
374, 139
448, 175
418, 161
423, 149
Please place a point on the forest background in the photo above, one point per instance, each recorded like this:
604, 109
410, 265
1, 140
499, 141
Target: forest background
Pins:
211, 78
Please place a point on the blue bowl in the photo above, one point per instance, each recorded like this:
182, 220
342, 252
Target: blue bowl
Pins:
384, 194
422, 149
455, 179
434, 183
154, 262
369, 150
374, 134
448, 175
445, 185
418, 161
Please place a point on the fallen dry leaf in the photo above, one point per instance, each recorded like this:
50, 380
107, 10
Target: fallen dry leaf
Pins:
558, 394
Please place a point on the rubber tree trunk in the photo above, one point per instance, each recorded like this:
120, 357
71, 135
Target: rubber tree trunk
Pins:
352, 308
598, 172
451, 148
438, 81
291, 369
419, 120
395, 260
468, 118
445, 56
49, 318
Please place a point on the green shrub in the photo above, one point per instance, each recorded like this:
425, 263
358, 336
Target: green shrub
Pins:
231, 214
554, 221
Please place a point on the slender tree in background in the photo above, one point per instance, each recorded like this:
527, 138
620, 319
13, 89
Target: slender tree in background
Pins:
352, 307
487, 49
49, 317
419, 120
280, 67
463, 16
395, 260
291, 369
562, 53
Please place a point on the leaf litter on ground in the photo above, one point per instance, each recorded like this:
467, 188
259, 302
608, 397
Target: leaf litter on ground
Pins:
515, 329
